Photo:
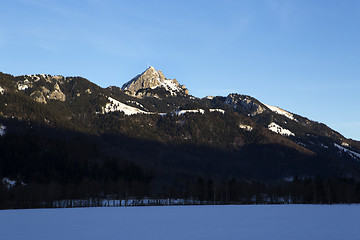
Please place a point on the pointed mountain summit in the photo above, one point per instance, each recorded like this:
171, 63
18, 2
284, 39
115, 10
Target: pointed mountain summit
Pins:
150, 79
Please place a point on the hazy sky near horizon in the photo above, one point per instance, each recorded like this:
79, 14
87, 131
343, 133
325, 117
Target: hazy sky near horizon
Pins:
303, 56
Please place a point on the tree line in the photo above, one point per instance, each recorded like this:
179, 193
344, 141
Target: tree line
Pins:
122, 192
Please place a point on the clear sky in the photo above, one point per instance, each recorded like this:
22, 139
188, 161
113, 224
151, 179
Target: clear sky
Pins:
300, 55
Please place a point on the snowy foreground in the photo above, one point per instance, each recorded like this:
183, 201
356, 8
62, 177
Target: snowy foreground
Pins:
184, 222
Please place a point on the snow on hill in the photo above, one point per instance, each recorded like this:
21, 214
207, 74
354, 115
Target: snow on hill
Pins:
169, 85
23, 85
2, 130
116, 105
217, 110
8, 182
246, 127
182, 112
281, 112
280, 130
134, 102
351, 153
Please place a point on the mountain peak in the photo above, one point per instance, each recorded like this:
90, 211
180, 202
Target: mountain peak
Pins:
151, 79
151, 68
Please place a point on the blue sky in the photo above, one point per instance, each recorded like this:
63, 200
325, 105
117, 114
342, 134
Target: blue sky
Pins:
303, 56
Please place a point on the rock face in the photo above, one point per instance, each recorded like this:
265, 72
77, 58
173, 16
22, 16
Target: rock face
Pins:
152, 79
42, 87
39, 96
57, 94
245, 102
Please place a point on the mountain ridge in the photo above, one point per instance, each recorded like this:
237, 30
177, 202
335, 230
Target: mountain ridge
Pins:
63, 100
69, 133
54, 93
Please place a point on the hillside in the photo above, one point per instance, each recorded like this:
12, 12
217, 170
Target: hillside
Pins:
152, 138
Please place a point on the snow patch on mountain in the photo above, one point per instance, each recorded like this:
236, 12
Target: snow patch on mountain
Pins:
2, 130
217, 110
8, 182
47, 77
246, 127
182, 112
2, 90
280, 130
34, 78
169, 86
324, 146
282, 112
23, 85
116, 105
351, 153
300, 143
134, 102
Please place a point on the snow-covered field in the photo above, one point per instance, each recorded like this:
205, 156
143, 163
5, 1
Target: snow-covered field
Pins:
280, 222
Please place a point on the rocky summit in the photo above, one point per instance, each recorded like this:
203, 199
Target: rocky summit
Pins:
150, 79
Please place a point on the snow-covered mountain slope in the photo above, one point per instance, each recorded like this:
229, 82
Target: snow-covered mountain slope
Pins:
152, 79
182, 112
115, 105
280, 130
281, 112
217, 110
351, 153
272, 118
